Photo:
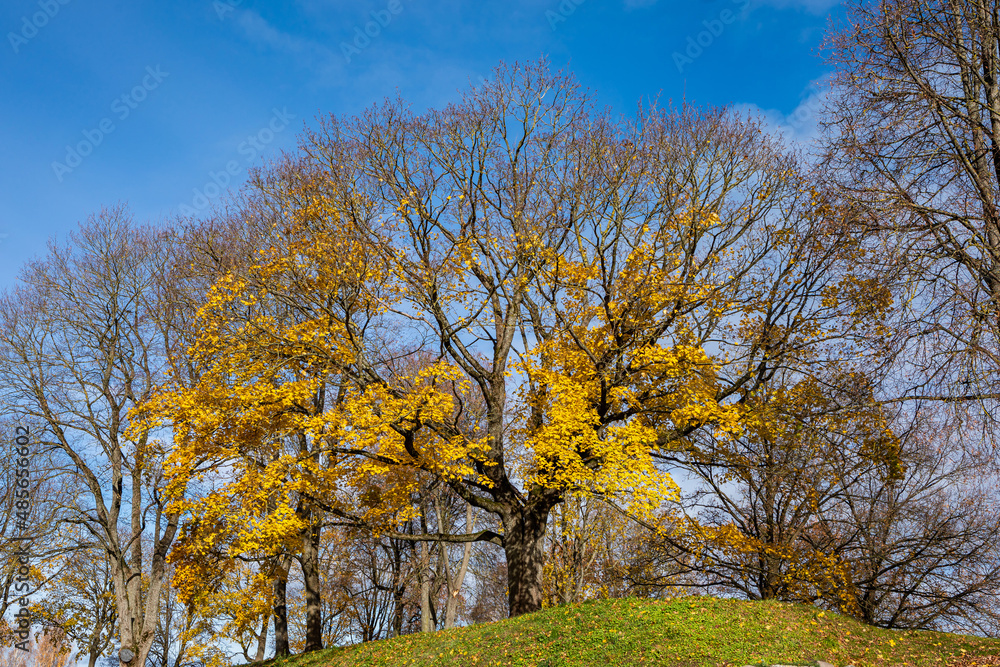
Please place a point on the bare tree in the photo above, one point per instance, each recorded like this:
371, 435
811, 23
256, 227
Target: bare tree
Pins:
80, 601
922, 548
915, 148
81, 343
489, 575
186, 634
30, 512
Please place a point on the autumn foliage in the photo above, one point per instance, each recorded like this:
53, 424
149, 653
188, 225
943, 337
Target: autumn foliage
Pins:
630, 293
445, 367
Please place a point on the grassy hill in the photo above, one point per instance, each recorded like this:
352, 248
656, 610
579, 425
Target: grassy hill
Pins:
684, 631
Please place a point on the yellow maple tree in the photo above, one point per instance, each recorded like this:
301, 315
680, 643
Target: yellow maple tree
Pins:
520, 321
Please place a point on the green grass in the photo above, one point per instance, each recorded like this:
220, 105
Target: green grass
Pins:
685, 631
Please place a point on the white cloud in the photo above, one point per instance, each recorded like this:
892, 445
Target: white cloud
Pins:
800, 127
325, 65
258, 30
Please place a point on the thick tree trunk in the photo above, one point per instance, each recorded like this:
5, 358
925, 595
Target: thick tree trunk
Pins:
311, 578
280, 607
138, 609
524, 541
136, 627
769, 579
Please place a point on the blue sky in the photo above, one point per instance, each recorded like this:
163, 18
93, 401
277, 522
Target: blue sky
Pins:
152, 103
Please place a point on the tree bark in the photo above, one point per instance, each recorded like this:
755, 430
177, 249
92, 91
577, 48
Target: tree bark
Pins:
311, 578
398, 588
426, 624
138, 610
455, 586
280, 608
262, 639
524, 541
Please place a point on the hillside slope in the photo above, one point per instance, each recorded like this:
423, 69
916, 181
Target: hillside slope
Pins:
685, 631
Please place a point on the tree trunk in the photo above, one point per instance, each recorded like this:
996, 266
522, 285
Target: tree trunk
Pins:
311, 578
524, 542
455, 587
138, 609
398, 588
280, 609
262, 639
426, 624
168, 622
133, 628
